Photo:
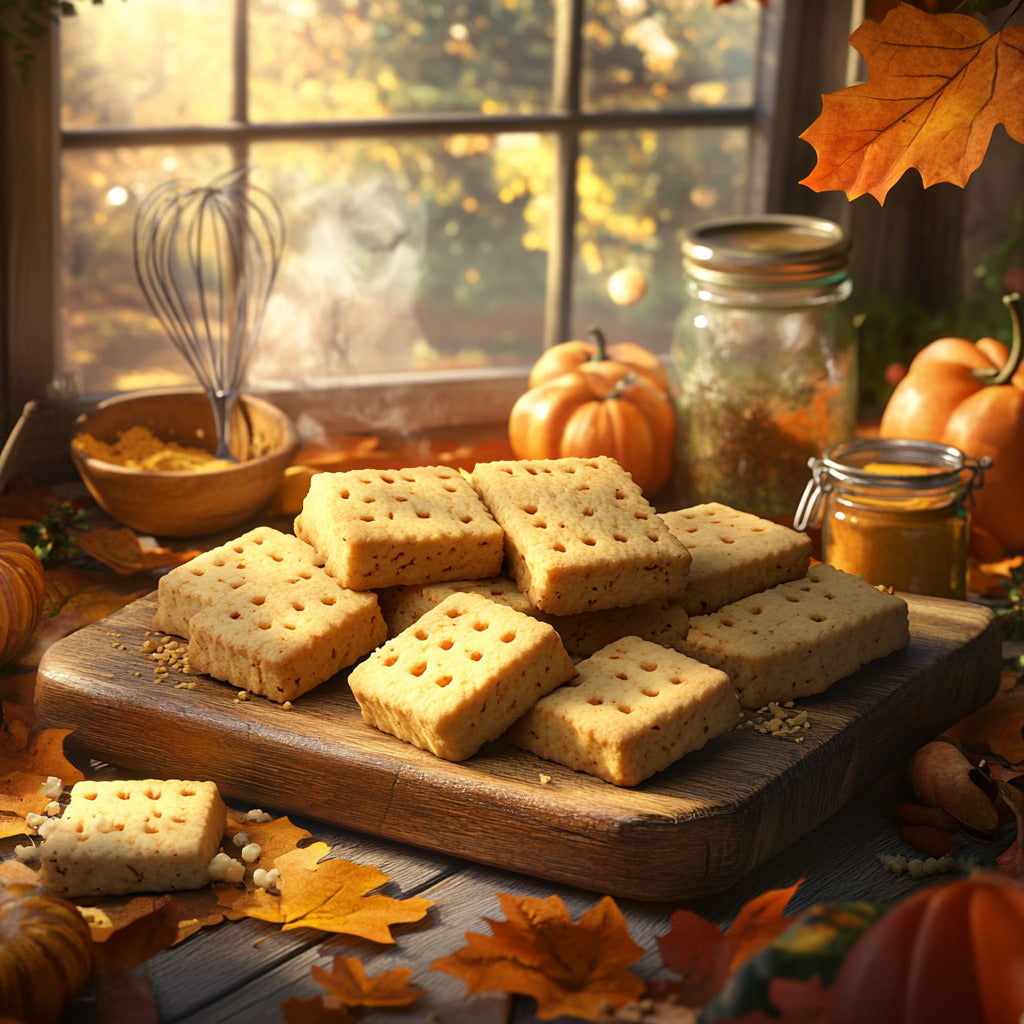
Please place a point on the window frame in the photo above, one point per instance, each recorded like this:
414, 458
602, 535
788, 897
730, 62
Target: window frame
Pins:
789, 80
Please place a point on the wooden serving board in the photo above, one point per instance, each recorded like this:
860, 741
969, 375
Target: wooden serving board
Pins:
693, 830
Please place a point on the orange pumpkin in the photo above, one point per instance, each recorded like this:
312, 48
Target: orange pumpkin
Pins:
21, 594
46, 953
951, 952
971, 396
570, 355
602, 407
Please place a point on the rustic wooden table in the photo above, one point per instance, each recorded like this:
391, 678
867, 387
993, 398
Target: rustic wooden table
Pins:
242, 971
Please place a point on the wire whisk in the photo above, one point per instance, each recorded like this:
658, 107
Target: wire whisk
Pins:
206, 257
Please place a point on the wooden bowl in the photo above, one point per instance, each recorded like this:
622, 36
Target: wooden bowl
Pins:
187, 504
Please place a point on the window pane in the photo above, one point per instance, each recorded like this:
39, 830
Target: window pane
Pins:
649, 54
406, 255
110, 338
638, 192
152, 62
334, 60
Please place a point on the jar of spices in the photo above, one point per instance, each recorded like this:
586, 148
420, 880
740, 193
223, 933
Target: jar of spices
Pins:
765, 359
894, 511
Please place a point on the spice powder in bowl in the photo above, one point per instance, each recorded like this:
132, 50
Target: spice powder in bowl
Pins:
140, 448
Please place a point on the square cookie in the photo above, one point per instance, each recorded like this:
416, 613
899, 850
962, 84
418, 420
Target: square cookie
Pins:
799, 637
734, 554
378, 528
460, 675
580, 536
634, 708
146, 835
262, 615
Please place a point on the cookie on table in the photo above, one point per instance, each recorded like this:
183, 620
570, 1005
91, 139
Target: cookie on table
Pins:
799, 637
261, 614
145, 835
734, 554
664, 621
633, 709
460, 675
377, 528
580, 535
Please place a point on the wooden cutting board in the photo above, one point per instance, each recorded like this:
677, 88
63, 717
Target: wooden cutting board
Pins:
692, 830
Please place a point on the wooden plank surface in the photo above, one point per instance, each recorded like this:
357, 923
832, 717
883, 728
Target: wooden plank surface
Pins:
691, 831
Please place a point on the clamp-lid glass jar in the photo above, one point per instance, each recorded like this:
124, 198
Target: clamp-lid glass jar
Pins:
765, 358
894, 511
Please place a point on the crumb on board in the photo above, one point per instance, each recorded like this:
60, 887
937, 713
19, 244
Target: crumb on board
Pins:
168, 654
783, 720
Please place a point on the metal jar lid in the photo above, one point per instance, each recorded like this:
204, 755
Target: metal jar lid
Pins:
930, 467
769, 249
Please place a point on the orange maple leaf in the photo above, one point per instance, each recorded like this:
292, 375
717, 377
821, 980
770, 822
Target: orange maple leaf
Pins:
332, 895
348, 982
575, 969
72, 599
121, 550
937, 86
704, 956
28, 758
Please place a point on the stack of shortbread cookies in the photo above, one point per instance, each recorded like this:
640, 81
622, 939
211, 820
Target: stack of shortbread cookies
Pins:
544, 601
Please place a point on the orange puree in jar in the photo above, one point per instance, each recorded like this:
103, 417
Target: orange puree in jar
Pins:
895, 512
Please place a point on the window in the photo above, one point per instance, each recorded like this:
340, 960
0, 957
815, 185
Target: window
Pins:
458, 180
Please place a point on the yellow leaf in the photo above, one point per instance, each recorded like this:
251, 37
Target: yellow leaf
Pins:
331, 895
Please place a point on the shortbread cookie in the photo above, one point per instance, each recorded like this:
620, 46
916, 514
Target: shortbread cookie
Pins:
140, 836
734, 554
261, 614
580, 535
799, 637
664, 622
633, 709
460, 676
378, 528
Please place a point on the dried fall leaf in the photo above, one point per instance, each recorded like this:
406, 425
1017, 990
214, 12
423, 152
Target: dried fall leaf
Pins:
198, 908
72, 599
314, 1011
348, 982
121, 550
937, 86
128, 947
575, 969
28, 758
274, 837
704, 956
331, 895
996, 728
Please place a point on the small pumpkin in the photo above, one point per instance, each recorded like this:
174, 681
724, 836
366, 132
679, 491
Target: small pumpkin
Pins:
46, 952
601, 407
952, 952
971, 396
570, 355
21, 594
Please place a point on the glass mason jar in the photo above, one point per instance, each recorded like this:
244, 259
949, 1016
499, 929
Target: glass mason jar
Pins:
765, 359
894, 511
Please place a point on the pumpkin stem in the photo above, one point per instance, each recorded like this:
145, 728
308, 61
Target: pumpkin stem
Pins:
1001, 376
600, 343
